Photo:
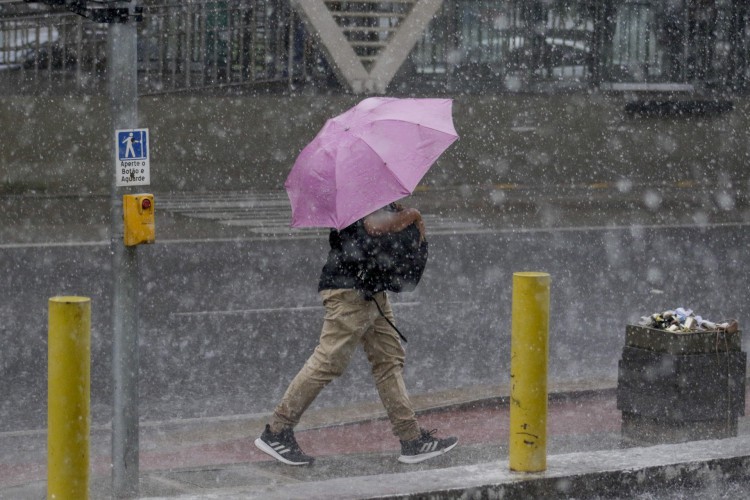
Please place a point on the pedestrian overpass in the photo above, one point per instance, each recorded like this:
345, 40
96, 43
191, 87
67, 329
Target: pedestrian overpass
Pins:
374, 47
367, 42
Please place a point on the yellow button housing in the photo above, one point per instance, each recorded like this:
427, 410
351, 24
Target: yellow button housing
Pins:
138, 219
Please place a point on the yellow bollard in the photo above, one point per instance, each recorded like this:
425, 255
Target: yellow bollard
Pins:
68, 397
528, 372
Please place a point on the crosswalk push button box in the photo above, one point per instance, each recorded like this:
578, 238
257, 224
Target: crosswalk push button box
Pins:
138, 218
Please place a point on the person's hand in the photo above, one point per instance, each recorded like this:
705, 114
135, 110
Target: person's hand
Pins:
416, 219
421, 227
384, 222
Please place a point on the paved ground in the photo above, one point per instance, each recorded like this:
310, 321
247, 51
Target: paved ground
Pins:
215, 458
356, 454
64, 218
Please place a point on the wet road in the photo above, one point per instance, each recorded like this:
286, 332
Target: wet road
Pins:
229, 312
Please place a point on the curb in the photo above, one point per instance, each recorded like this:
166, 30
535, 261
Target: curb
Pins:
619, 473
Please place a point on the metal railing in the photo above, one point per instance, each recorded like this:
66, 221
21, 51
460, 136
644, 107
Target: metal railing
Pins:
195, 45
472, 45
183, 45
39, 48
529, 45
510, 44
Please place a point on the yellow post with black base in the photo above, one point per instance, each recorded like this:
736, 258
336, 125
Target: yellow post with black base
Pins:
68, 397
138, 219
528, 372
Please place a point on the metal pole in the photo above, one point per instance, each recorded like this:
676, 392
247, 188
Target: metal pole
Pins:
68, 396
123, 90
528, 372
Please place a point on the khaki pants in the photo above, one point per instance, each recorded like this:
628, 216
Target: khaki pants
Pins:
349, 320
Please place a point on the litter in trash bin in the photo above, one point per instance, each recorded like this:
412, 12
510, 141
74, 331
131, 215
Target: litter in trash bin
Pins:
685, 321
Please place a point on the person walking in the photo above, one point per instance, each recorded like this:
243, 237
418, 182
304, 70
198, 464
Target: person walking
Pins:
354, 314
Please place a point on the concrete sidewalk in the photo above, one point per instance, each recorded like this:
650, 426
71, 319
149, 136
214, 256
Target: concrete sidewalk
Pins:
356, 452
356, 455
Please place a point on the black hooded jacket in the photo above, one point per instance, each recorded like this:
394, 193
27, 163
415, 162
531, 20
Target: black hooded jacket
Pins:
373, 264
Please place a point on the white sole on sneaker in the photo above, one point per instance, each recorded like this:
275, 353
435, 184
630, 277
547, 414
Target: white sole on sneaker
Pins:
263, 446
415, 459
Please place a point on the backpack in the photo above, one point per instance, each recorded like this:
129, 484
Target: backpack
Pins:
392, 262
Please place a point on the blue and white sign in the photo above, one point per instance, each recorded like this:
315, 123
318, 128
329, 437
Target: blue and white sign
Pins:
132, 157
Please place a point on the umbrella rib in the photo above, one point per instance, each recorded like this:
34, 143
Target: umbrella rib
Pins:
401, 120
384, 163
410, 123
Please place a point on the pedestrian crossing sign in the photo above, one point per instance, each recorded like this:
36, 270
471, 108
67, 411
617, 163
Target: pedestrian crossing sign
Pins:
132, 165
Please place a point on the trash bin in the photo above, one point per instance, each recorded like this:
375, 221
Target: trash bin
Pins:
674, 387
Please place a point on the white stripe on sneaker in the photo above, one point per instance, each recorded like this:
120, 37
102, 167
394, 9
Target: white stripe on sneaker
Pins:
279, 448
428, 447
276, 450
425, 454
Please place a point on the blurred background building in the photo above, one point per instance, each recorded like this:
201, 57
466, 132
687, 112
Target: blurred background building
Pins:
397, 46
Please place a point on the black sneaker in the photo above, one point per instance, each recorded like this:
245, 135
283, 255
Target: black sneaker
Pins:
283, 447
424, 447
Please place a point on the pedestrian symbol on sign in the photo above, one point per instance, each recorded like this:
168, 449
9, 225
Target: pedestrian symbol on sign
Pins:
132, 163
132, 145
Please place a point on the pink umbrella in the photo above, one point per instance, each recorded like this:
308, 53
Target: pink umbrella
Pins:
362, 160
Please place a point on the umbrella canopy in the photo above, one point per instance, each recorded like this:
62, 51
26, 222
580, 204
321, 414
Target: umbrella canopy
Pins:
373, 154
